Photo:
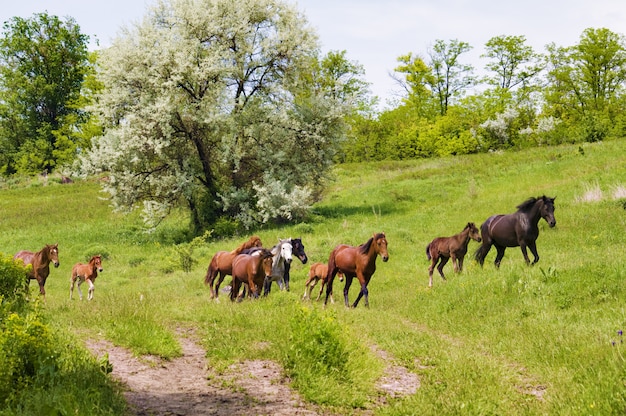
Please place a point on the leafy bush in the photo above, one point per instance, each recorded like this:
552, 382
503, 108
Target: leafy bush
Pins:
13, 282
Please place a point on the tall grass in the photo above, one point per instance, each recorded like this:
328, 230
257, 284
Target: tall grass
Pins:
518, 340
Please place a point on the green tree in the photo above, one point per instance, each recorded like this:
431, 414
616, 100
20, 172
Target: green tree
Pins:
450, 77
204, 108
514, 64
43, 61
416, 79
586, 83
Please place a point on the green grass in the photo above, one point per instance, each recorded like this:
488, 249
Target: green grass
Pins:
518, 340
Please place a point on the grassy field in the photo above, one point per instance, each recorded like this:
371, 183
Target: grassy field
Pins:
518, 340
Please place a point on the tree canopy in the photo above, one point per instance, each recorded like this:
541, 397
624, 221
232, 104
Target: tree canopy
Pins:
208, 105
43, 62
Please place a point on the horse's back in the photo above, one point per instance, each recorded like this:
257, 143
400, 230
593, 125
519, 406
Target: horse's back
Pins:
25, 256
319, 270
345, 258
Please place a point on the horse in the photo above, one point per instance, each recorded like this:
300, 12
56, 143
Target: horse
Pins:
298, 250
41, 263
359, 262
251, 269
442, 249
281, 257
516, 229
86, 273
222, 263
317, 272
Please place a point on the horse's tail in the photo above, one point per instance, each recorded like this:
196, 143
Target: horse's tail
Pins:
481, 252
428, 251
211, 271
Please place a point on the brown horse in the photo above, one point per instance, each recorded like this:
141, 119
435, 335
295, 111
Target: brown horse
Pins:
251, 269
442, 249
359, 262
317, 272
517, 229
86, 273
222, 263
41, 263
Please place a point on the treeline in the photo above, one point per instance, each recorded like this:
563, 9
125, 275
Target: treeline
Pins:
239, 125
565, 95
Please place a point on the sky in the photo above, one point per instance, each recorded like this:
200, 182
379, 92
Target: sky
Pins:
374, 33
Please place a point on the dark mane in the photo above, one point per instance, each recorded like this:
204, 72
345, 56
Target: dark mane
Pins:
528, 204
365, 247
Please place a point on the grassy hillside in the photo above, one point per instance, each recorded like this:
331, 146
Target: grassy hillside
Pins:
518, 340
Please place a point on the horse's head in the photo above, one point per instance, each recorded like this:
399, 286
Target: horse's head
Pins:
286, 250
53, 253
474, 232
255, 241
547, 210
381, 245
298, 249
266, 259
97, 261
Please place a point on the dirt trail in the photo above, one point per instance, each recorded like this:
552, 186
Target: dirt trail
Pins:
182, 386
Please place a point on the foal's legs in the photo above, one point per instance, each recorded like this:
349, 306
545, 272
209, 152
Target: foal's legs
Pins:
91, 289
442, 263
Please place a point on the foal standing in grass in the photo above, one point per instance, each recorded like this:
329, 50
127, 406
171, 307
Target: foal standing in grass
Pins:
441, 249
86, 273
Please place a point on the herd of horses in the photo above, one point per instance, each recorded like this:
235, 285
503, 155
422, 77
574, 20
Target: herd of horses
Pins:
254, 268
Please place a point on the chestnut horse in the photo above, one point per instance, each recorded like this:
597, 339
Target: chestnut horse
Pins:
41, 263
317, 272
517, 229
222, 263
442, 249
359, 262
251, 269
86, 273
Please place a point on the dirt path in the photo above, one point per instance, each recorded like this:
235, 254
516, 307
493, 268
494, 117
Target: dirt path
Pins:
182, 386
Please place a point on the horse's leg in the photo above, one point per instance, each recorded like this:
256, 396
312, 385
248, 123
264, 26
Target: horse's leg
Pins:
267, 286
80, 292
234, 289
442, 262
433, 262
522, 247
91, 289
42, 283
72, 281
455, 262
499, 256
219, 282
362, 293
460, 263
286, 276
532, 245
346, 289
330, 277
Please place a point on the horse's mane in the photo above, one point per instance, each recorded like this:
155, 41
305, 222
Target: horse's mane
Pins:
252, 242
365, 247
528, 204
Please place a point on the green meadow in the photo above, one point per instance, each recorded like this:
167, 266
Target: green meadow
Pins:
516, 340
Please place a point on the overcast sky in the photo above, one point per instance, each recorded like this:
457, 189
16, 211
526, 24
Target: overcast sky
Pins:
375, 32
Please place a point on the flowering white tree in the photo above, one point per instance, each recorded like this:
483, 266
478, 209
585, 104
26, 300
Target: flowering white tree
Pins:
207, 104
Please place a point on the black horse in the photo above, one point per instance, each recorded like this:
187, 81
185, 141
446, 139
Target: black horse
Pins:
517, 229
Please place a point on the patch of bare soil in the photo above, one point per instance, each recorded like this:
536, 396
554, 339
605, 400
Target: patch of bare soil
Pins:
184, 386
